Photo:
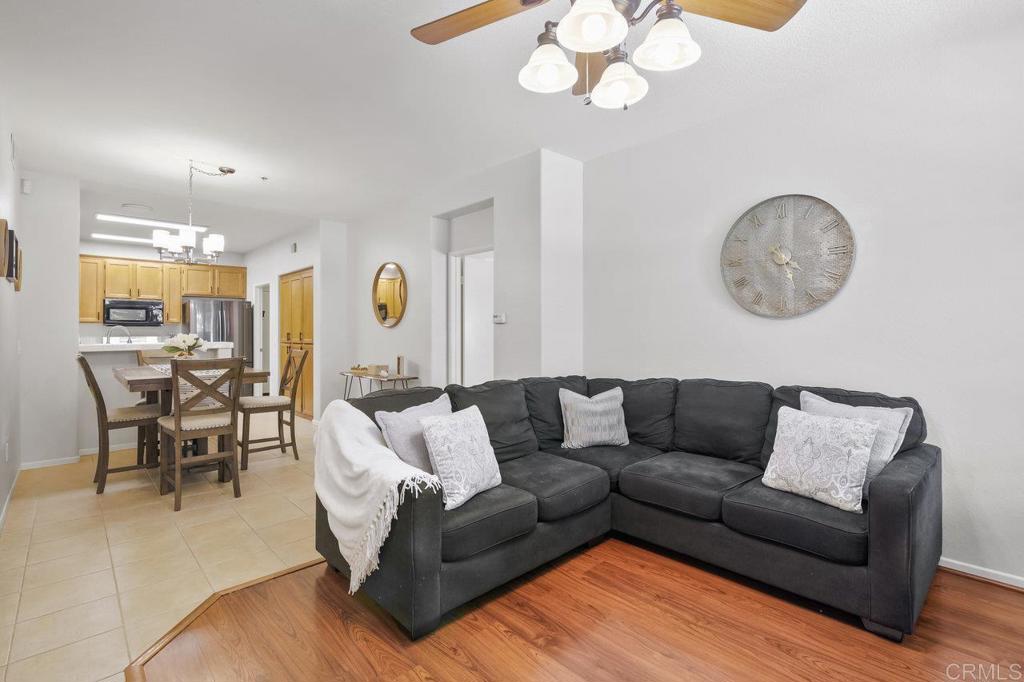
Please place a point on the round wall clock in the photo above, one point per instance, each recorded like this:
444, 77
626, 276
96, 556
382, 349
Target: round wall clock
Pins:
787, 255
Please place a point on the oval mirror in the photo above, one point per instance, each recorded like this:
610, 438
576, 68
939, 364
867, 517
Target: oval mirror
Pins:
389, 295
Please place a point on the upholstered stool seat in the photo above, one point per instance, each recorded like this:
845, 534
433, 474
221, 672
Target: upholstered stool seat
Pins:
196, 422
135, 413
259, 401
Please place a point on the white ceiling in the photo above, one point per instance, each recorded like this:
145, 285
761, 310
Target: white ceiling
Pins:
343, 110
243, 228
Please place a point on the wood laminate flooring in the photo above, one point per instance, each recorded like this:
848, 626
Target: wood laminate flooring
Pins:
617, 611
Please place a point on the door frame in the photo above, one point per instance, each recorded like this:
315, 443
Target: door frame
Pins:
262, 314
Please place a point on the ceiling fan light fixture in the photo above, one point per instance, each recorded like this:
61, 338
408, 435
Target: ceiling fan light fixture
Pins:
668, 46
548, 70
620, 87
592, 26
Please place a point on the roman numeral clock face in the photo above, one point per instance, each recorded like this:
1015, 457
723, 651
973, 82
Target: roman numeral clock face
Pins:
787, 256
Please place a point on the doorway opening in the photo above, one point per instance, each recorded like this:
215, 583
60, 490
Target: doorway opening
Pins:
472, 317
263, 329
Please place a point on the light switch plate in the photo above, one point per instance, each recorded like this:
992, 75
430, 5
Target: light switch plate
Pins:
500, 318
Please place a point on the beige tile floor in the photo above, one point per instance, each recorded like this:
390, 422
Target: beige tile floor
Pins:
88, 582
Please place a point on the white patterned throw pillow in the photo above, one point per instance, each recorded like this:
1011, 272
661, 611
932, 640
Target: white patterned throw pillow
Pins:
823, 458
461, 455
404, 434
593, 421
892, 422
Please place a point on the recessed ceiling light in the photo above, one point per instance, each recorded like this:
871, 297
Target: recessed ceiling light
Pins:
141, 208
120, 238
146, 222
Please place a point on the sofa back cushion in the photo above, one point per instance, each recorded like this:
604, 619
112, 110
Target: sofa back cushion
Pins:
503, 406
649, 405
395, 400
789, 396
544, 408
724, 419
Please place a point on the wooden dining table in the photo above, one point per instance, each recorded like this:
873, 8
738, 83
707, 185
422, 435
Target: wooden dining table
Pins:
157, 385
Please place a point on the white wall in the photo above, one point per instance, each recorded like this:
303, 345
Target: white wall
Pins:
925, 161
415, 235
10, 391
472, 232
48, 320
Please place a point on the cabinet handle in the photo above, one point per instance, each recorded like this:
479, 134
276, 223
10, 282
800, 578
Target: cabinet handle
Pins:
300, 336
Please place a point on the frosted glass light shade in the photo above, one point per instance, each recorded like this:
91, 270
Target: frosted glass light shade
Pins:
187, 237
620, 86
161, 239
668, 47
213, 244
174, 244
592, 26
547, 71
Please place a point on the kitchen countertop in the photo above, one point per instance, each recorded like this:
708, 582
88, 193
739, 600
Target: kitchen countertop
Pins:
119, 344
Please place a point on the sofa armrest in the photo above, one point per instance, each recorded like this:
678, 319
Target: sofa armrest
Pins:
407, 582
904, 535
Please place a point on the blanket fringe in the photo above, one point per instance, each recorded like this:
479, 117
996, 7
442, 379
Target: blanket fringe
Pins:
380, 527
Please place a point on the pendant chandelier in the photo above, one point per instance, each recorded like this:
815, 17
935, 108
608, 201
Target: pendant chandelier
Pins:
598, 28
181, 247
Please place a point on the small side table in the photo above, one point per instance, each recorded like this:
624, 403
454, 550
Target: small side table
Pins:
352, 378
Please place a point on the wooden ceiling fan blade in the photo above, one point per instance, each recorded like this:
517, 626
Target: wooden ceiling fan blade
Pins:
471, 19
767, 15
597, 65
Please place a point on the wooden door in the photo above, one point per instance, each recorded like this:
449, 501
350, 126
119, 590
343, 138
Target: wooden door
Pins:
172, 294
306, 334
229, 281
90, 289
119, 278
149, 281
306, 385
285, 310
197, 280
295, 326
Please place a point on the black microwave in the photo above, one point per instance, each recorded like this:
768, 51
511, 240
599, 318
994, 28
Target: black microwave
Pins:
132, 313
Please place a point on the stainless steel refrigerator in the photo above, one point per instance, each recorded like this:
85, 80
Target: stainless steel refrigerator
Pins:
222, 319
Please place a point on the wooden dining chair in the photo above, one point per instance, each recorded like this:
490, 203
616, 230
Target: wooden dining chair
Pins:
205, 404
150, 357
281, 404
141, 417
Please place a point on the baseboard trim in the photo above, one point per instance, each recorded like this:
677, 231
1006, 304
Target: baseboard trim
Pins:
7, 502
114, 447
982, 573
42, 464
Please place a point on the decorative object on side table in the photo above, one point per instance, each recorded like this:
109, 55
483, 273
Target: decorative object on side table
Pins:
19, 270
787, 256
183, 345
10, 270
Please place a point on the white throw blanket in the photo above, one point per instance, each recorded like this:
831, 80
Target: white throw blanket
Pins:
361, 484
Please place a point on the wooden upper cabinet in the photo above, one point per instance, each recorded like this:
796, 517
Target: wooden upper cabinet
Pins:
197, 280
119, 279
149, 281
90, 289
229, 281
172, 293
306, 334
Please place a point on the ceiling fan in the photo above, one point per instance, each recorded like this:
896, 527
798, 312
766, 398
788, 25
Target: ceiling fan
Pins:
595, 30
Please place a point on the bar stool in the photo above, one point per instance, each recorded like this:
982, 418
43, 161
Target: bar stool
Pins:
285, 402
142, 417
202, 409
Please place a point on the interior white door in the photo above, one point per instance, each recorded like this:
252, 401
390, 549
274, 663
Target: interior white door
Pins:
477, 318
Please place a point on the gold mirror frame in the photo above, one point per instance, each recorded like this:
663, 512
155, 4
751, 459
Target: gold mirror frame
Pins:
403, 294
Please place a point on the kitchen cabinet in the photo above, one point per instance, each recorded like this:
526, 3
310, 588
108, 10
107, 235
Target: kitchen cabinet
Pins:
172, 293
229, 282
149, 281
90, 289
119, 279
197, 280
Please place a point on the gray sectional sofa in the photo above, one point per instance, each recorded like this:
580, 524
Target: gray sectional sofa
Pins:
689, 480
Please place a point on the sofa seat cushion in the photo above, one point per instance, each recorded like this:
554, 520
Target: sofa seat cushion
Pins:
562, 487
685, 482
485, 520
611, 458
797, 522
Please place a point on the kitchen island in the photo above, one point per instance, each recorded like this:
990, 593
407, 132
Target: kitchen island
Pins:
106, 354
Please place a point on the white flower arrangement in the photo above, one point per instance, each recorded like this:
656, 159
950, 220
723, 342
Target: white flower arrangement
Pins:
183, 345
